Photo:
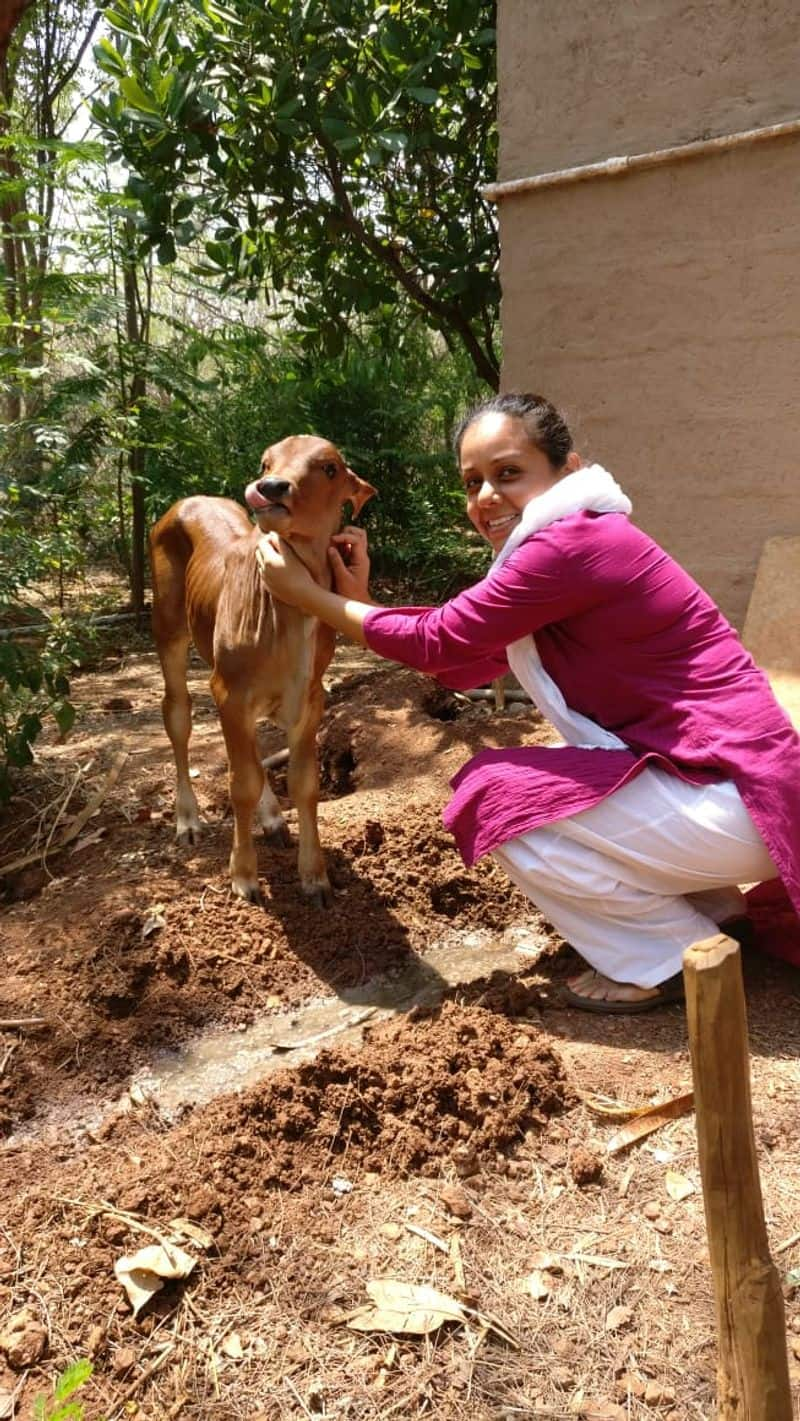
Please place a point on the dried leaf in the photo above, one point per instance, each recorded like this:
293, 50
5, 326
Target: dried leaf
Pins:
83, 843
405, 1308
678, 1186
143, 1274
186, 1229
537, 1285
231, 1346
650, 1119
153, 924
417, 1309
609, 1108
617, 1318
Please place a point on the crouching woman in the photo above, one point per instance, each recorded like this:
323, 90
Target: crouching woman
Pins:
680, 775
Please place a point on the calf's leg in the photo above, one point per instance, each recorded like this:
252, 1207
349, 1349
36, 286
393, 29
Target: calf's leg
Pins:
304, 791
176, 708
246, 780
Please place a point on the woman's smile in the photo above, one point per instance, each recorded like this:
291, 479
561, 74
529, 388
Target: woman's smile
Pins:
496, 530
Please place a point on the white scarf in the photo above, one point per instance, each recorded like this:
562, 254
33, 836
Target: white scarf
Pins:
590, 489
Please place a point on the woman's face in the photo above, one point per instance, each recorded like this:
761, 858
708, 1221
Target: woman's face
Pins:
502, 471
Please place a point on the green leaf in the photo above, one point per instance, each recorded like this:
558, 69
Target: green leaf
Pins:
336, 128
74, 1376
136, 95
166, 250
424, 96
64, 714
392, 140
109, 58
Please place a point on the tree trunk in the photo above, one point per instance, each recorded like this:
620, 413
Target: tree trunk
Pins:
136, 331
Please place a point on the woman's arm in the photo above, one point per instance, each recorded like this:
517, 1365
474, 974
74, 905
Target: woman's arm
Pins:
289, 580
544, 580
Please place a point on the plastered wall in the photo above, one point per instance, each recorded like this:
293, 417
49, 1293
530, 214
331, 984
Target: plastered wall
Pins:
662, 309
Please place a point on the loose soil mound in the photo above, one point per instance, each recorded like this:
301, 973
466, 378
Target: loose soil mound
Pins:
461, 1083
79, 951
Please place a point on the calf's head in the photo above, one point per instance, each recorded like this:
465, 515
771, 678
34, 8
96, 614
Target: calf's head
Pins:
302, 488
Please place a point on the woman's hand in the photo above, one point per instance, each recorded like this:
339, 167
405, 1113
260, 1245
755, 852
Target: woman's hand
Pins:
282, 571
350, 567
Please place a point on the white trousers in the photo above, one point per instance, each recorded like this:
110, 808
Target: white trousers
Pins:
637, 879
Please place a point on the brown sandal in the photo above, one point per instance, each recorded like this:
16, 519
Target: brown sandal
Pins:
666, 993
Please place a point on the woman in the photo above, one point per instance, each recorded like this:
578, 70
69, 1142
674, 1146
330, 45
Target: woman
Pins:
680, 777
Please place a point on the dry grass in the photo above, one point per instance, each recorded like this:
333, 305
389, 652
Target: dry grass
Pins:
317, 1250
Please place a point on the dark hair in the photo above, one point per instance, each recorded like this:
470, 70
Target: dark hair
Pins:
544, 425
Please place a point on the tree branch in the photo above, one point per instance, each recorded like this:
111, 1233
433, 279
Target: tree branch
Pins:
387, 254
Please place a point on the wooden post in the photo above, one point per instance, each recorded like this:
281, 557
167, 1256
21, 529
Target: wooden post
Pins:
753, 1369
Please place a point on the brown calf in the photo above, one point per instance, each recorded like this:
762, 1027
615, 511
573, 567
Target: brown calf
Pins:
267, 659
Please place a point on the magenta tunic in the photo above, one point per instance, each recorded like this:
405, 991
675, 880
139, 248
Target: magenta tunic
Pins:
634, 644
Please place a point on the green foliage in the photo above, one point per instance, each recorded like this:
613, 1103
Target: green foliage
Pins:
34, 685
337, 151
389, 402
60, 1407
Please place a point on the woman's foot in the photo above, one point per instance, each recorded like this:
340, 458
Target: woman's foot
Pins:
591, 991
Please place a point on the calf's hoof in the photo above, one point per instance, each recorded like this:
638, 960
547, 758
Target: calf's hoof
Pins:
246, 888
187, 834
319, 895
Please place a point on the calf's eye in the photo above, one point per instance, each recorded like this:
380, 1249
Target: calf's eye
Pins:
330, 470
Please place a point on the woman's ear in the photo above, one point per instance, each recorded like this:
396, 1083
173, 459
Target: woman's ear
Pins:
358, 491
574, 462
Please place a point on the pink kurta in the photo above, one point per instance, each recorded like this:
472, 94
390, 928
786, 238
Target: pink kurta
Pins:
634, 644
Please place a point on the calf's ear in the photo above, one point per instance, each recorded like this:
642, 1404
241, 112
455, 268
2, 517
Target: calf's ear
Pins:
358, 491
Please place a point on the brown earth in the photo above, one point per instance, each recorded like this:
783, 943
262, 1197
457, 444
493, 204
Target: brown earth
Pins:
452, 1148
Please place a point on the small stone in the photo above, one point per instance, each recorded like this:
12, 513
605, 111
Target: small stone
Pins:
124, 1359
585, 1166
652, 1210
630, 1385
554, 1155
547, 1262
96, 1340
456, 1202
391, 1231
466, 1161
562, 1377
618, 1317
656, 1394
24, 1339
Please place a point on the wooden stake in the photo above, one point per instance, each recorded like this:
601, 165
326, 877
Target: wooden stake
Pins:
753, 1369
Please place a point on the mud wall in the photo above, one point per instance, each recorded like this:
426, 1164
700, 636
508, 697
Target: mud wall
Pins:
662, 309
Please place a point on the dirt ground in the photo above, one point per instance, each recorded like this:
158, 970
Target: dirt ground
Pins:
453, 1147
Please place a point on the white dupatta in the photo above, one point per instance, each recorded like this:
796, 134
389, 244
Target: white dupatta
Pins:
590, 489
